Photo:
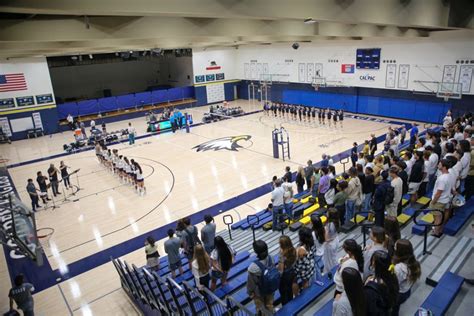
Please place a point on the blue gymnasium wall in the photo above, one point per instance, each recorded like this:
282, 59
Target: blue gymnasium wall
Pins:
201, 94
380, 102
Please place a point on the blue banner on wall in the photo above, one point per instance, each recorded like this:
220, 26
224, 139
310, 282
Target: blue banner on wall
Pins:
200, 78
7, 103
220, 76
210, 77
24, 101
44, 98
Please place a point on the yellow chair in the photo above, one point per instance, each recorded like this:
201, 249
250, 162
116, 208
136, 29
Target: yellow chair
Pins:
403, 218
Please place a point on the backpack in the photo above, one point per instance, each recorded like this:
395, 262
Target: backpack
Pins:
389, 195
192, 239
269, 279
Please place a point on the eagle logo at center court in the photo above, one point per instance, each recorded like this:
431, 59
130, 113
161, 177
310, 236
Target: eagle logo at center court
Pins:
228, 143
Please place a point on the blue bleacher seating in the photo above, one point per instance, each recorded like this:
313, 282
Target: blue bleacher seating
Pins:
325, 310
443, 294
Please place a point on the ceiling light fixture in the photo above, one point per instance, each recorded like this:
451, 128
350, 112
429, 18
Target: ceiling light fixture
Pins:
309, 21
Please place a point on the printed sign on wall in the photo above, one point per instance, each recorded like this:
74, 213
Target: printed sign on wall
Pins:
318, 70
199, 78
347, 68
215, 92
5, 126
44, 98
7, 103
403, 76
259, 71
310, 72
253, 71
390, 76
301, 72
25, 101
465, 77
220, 76
210, 77
266, 69
449, 73
247, 71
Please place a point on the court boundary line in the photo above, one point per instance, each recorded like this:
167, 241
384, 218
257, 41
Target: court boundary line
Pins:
71, 312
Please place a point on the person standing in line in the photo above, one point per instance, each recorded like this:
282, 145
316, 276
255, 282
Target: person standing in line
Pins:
131, 134
53, 178
263, 301
32, 191
447, 120
352, 301
152, 255
43, 186
83, 130
354, 154
189, 239
340, 200
288, 197
368, 188
222, 259
443, 188
65, 175
172, 246
377, 235
465, 148
407, 271
309, 171
353, 259
286, 266
315, 182
278, 204
413, 135
201, 264
379, 199
403, 134
397, 185
208, 233
469, 184
300, 179
21, 295
288, 175
416, 176
354, 193
373, 145
323, 187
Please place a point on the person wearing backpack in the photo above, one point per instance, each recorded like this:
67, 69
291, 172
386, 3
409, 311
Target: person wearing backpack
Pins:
263, 279
397, 185
379, 199
189, 239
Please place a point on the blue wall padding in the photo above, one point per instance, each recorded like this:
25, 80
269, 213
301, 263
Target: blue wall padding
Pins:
188, 92
159, 96
88, 107
143, 97
126, 101
67, 108
107, 104
175, 94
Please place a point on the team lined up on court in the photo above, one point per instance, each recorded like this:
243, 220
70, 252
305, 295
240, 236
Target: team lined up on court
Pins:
128, 171
304, 113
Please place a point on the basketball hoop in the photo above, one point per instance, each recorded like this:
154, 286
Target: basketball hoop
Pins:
316, 87
446, 97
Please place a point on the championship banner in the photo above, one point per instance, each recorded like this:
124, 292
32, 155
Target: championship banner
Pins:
347, 68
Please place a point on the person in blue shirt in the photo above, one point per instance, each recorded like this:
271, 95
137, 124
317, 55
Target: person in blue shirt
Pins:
173, 121
325, 161
179, 118
413, 135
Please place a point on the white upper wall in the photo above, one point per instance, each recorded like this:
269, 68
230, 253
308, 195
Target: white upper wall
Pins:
225, 58
36, 74
426, 59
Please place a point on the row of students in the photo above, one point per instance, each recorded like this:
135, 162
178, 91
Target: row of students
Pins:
129, 171
305, 113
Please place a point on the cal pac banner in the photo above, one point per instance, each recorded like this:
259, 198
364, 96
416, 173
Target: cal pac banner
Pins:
347, 68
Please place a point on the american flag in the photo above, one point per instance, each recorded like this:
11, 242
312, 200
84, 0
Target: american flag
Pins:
12, 82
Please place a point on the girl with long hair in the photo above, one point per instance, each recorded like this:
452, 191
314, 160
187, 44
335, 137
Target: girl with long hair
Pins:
352, 259
331, 243
392, 232
352, 301
222, 258
381, 289
200, 267
286, 266
407, 270
300, 179
304, 266
331, 193
319, 237
141, 189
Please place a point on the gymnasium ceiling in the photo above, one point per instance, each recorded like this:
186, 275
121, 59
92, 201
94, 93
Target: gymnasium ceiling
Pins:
68, 27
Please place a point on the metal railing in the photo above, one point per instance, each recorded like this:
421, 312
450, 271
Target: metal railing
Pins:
427, 226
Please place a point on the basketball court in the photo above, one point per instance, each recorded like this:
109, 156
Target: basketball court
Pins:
68, 70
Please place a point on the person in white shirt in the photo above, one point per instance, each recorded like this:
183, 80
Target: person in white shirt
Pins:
397, 185
458, 135
361, 160
447, 120
288, 197
465, 147
353, 259
407, 269
407, 157
131, 134
278, 204
352, 301
92, 124
432, 168
70, 121
441, 196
